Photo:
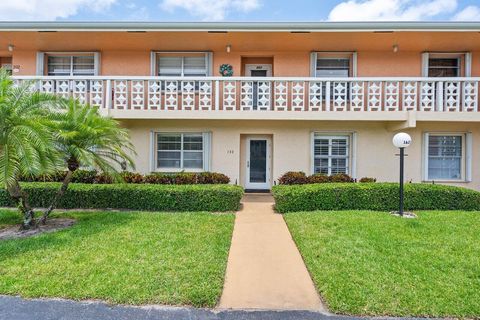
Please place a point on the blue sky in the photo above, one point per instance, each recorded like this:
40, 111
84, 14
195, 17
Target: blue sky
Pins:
241, 10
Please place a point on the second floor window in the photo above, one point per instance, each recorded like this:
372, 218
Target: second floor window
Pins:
444, 67
70, 65
182, 65
333, 67
333, 64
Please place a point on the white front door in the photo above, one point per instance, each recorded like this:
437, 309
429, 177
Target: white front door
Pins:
258, 163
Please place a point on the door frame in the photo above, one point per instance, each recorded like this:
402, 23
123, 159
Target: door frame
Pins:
255, 185
261, 66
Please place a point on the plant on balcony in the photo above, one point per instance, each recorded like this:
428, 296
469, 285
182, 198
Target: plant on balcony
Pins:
84, 138
226, 70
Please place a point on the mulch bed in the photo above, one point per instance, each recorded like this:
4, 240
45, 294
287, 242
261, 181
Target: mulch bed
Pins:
52, 225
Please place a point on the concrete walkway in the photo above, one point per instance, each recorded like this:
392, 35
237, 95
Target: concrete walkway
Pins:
265, 269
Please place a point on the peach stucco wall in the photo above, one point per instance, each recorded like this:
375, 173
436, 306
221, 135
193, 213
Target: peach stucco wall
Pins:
286, 64
375, 156
118, 63
381, 64
129, 53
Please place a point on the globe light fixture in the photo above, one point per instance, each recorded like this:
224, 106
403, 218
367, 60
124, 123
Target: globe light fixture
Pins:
401, 140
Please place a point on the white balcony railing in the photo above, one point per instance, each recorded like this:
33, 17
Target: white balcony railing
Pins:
238, 94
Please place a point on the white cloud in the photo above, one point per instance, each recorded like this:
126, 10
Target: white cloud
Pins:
210, 10
470, 13
391, 10
48, 9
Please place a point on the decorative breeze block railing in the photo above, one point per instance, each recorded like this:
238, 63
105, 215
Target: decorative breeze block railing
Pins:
248, 94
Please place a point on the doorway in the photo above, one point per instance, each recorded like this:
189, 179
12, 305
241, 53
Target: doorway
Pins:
258, 151
258, 70
257, 67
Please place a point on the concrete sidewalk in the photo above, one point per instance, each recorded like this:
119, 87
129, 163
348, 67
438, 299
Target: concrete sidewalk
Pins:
265, 269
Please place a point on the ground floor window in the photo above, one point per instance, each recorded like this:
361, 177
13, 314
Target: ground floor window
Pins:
445, 156
331, 154
180, 151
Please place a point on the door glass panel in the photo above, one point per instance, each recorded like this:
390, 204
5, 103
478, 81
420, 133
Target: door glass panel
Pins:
258, 161
258, 73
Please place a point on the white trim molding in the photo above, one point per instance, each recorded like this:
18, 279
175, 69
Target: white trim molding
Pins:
152, 151
223, 27
40, 70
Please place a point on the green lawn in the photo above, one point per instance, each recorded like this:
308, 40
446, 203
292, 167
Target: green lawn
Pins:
131, 258
372, 263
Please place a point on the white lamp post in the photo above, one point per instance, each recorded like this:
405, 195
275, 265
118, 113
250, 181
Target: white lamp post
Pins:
401, 140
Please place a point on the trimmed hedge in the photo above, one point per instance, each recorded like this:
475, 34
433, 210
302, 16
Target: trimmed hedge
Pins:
92, 176
299, 177
373, 196
133, 196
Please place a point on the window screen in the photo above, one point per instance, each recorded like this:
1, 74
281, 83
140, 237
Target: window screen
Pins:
444, 157
70, 65
182, 65
180, 151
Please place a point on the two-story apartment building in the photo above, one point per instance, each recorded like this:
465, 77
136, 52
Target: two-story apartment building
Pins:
312, 97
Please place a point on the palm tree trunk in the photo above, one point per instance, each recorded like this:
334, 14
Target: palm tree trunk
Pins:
60, 193
21, 198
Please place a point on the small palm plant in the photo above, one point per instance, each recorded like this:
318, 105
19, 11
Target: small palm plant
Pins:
85, 138
27, 145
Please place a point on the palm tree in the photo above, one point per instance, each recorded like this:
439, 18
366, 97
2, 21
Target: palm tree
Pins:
87, 139
27, 147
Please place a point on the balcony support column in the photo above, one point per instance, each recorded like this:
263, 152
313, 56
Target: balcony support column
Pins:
439, 97
108, 96
410, 122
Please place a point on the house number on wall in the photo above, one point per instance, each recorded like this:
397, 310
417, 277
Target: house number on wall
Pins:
230, 152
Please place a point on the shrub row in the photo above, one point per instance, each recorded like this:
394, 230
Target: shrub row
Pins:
373, 196
133, 196
298, 177
92, 176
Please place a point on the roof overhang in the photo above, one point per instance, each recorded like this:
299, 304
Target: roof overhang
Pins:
52, 26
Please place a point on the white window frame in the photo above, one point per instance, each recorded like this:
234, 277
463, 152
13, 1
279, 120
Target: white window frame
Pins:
351, 149
314, 56
465, 163
206, 150
154, 60
42, 61
467, 64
